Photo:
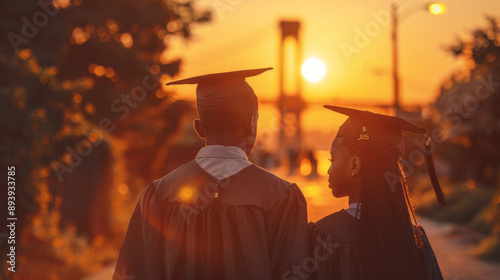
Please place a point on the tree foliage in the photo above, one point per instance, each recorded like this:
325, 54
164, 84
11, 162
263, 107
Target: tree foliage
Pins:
467, 112
67, 65
467, 107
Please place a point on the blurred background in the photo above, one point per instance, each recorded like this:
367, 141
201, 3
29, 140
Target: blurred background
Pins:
87, 121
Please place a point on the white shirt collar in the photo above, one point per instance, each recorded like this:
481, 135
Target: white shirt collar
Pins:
222, 161
353, 210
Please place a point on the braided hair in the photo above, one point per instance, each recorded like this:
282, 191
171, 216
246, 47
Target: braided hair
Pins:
390, 237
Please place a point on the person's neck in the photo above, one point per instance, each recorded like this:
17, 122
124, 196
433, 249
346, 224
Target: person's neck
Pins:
351, 201
229, 141
355, 193
354, 199
223, 141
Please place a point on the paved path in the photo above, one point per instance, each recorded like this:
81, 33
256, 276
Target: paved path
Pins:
451, 245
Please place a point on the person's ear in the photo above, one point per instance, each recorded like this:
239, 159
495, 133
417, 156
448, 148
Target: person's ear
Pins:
254, 124
355, 165
199, 128
251, 127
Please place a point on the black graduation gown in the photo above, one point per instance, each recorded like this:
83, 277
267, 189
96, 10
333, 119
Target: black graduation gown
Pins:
257, 229
337, 238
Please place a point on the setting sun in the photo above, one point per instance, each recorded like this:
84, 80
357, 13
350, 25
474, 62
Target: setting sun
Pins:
437, 8
313, 70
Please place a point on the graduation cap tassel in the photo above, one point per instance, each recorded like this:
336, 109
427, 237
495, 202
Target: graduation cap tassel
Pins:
441, 196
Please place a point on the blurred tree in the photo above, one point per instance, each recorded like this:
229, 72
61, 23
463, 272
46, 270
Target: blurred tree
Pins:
467, 108
72, 70
467, 112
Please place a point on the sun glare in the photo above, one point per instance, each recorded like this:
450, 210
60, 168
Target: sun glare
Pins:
437, 8
313, 70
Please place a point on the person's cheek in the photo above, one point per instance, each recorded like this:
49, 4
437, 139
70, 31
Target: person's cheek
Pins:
333, 174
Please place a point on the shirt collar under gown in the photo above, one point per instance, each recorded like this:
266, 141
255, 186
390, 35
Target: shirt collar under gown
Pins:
222, 161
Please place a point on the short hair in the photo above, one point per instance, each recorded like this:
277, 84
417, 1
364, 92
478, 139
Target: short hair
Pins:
227, 118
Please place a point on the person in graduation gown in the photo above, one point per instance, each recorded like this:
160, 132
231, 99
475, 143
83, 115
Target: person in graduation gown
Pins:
219, 216
378, 236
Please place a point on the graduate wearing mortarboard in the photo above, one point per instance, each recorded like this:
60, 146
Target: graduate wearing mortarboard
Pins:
218, 216
378, 236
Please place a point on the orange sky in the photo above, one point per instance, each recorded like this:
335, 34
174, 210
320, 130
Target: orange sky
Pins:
245, 34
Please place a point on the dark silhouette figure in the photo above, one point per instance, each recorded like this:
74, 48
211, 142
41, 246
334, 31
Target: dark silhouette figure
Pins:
378, 236
218, 216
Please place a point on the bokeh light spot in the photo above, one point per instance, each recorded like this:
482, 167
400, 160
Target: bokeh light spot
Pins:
77, 98
186, 194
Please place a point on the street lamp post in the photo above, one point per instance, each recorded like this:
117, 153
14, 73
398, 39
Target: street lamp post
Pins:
433, 8
395, 64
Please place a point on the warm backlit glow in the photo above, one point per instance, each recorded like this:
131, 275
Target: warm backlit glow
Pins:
90, 108
126, 40
109, 72
323, 162
77, 98
61, 4
122, 188
25, 54
311, 191
41, 113
437, 8
57, 242
43, 80
305, 167
45, 172
112, 26
80, 36
99, 70
186, 194
313, 70
93, 137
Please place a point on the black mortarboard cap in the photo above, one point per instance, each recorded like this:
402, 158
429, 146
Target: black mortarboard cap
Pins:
386, 132
220, 89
